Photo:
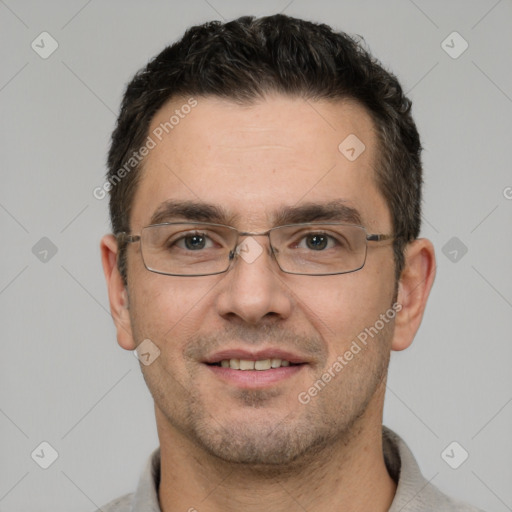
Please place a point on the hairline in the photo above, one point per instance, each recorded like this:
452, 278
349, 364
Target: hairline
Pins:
140, 168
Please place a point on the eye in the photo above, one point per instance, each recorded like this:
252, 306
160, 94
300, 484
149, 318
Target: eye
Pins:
193, 242
317, 242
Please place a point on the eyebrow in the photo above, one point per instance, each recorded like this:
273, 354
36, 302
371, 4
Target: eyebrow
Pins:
172, 210
335, 211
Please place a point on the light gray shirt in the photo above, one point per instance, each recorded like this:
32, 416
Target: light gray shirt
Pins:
413, 493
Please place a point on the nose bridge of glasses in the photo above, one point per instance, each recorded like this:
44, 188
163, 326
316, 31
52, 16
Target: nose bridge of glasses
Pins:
248, 247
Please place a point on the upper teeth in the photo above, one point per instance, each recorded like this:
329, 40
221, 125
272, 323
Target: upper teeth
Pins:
245, 364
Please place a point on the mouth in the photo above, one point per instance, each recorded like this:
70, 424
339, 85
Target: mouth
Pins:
255, 370
259, 365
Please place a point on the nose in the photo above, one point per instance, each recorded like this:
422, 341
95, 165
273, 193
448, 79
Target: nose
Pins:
254, 289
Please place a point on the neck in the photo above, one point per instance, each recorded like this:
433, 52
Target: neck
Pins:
349, 474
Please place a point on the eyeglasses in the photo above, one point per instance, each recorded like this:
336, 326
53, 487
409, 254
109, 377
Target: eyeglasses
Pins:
202, 249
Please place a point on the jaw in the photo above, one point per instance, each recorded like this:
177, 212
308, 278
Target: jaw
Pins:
261, 429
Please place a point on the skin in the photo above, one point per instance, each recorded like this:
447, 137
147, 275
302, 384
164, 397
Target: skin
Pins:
225, 448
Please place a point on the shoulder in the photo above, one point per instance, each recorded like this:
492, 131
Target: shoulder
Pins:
121, 504
146, 496
433, 499
414, 492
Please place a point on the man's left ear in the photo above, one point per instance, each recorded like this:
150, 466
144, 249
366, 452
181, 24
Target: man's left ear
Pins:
413, 290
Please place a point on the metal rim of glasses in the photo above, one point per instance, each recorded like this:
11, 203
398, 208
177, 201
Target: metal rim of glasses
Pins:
124, 237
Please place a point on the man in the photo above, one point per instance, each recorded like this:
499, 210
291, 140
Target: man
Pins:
265, 188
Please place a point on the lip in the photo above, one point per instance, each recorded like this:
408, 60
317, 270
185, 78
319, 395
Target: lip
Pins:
256, 355
255, 379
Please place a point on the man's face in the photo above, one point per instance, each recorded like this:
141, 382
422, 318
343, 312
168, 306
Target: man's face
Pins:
254, 164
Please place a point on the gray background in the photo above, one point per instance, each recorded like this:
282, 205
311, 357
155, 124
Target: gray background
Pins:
64, 380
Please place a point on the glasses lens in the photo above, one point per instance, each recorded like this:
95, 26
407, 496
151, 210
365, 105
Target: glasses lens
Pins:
319, 249
190, 249
187, 249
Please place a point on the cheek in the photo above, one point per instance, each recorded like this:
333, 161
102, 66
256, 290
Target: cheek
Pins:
166, 307
341, 307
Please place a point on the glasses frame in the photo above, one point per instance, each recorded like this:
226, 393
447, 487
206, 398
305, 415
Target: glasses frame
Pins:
128, 238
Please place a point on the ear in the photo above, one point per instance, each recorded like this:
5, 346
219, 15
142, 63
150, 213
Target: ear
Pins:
117, 293
413, 290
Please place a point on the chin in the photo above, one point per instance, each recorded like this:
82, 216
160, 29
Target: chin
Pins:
275, 445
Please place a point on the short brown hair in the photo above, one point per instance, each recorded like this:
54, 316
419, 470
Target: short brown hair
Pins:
245, 59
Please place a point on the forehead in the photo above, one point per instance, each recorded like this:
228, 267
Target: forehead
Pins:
253, 160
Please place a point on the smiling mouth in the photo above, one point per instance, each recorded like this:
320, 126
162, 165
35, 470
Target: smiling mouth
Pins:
255, 371
260, 365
